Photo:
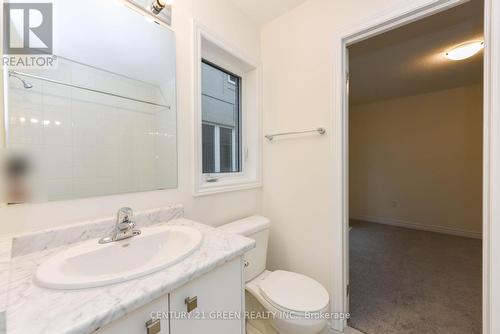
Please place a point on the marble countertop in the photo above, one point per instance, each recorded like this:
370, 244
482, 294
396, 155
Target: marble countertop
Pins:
35, 310
5, 255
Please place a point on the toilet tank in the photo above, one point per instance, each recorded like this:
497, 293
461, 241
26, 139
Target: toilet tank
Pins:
256, 228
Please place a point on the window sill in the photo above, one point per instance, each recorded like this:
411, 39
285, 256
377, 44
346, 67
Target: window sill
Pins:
225, 186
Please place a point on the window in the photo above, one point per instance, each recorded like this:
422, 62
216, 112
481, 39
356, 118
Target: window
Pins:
227, 117
221, 110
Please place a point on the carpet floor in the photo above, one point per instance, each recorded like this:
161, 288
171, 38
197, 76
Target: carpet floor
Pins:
414, 282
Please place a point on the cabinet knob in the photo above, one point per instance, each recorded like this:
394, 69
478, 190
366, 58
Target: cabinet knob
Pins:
192, 303
153, 326
246, 263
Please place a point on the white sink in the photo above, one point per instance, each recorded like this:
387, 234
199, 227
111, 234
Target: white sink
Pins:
91, 264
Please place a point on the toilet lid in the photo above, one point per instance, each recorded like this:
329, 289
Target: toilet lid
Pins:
294, 292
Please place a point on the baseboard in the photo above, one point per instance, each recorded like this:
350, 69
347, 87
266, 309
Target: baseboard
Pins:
418, 226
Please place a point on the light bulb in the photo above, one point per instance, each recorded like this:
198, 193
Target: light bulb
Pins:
464, 50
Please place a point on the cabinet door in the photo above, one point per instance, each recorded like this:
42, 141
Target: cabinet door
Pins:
217, 292
135, 322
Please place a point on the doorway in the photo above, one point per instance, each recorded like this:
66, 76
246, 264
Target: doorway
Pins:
415, 177
376, 26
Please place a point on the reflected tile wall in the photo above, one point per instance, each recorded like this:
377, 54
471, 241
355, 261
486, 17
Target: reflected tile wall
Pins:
90, 144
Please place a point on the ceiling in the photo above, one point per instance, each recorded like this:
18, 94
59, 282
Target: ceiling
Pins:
263, 11
409, 60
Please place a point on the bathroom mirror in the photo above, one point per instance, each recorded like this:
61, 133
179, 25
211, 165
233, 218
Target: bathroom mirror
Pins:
103, 121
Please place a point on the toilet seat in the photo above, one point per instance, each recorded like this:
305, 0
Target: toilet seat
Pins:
294, 293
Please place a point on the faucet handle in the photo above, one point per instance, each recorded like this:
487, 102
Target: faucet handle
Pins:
124, 227
124, 215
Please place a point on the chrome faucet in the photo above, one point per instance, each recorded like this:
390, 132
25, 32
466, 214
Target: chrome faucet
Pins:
124, 228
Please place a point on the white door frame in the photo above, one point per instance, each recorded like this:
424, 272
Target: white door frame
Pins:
411, 12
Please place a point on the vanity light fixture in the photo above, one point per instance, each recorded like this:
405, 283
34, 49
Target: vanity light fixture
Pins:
464, 50
152, 13
158, 5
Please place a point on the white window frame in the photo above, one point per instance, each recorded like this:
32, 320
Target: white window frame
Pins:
207, 46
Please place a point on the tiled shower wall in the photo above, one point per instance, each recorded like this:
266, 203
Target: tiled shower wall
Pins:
90, 144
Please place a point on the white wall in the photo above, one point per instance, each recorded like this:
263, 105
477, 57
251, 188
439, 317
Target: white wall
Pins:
424, 152
297, 55
225, 20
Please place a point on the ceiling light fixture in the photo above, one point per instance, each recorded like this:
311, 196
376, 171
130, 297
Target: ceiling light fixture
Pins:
464, 50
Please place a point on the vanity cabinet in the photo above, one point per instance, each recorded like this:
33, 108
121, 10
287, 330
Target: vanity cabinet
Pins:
215, 301
135, 322
220, 300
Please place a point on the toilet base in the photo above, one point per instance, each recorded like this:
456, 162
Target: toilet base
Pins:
251, 329
257, 325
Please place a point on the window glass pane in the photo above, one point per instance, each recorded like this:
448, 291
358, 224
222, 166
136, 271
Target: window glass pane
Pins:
221, 110
226, 150
208, 136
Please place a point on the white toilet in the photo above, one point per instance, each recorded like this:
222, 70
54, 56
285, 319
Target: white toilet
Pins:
294, 300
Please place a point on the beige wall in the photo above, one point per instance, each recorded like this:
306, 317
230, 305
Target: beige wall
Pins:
228, 22
425, 153
297, 55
